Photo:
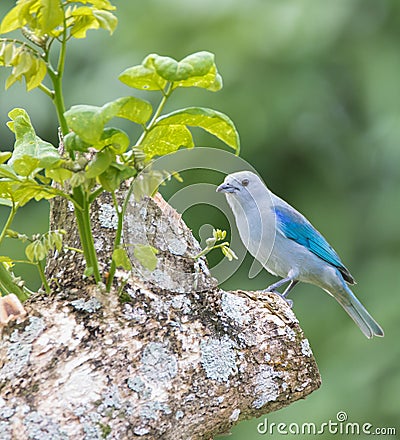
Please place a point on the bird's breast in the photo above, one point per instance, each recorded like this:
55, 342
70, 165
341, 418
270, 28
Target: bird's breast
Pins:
256, 226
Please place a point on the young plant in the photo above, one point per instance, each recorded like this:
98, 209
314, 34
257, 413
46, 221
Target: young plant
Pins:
93, 156
213, 243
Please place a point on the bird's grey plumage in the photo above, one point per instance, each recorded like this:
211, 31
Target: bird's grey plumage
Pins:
287, 245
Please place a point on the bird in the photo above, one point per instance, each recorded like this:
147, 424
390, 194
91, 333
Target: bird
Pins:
287, 245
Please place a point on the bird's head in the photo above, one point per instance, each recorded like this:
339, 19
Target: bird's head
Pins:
240, 184
246, 195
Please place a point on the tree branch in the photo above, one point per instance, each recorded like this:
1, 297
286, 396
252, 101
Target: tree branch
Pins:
175, 357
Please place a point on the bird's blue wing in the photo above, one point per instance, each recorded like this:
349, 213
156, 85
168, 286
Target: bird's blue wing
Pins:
296, 227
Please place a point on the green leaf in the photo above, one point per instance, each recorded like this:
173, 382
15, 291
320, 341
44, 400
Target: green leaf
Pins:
212, 81
195, 65
59, 175
132, 108
14, 19
106, 20
11, 80
28, 190
35, 251
116, 173
22, 63
50, 15
43, 179
52, 240
30, 152
73, 142
196, 70
164, 139
121, 259
88, 121
209, 120
168, 68
77, 179
85, 18
100, 4
202, 72
4, 259
109, 179
88, 272
6, 202
35, 75
6, 193
99, 163
146, 255
147, 183
8, 172
144, 76
22, 191
114, 138
40, 15
8, 52
4, 156
25, 64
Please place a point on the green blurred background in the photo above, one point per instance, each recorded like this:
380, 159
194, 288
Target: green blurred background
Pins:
314, 90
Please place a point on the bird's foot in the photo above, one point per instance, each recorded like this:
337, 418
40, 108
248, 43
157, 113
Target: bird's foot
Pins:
288, 301
282, 295
273, 287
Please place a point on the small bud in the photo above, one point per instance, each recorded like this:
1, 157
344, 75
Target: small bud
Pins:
228, 252
39, 40
218, 234
11, 234
210, 242
77, 179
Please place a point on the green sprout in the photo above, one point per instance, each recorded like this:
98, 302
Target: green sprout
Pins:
211, 244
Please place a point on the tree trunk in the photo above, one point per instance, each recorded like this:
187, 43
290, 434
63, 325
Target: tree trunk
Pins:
166, 355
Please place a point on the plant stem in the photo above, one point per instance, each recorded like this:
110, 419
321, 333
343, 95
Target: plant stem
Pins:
46, 286
117, 240
7, 282
56, 78
69, 248
85, 232
79, 195
47, 91
8, 222
8, 285
22, 43
95, 194
166, 94
207, 249
121, 212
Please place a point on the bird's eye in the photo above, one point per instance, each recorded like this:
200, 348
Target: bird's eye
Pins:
245, 182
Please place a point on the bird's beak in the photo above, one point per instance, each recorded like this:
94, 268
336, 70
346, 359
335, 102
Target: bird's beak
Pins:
227, 188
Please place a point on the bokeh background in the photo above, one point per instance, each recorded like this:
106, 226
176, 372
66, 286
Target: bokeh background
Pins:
313, 88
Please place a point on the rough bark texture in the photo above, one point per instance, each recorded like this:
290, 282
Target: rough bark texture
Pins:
176, 358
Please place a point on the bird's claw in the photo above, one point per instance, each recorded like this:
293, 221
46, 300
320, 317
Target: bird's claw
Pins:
287, 300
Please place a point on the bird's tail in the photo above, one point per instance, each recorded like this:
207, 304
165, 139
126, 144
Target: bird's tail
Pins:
367, 324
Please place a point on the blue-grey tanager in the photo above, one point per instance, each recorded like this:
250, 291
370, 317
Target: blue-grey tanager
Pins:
288, 246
